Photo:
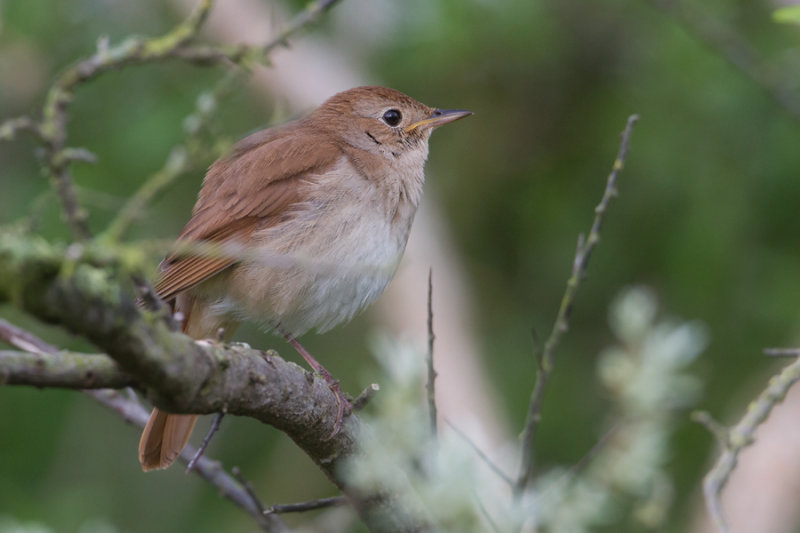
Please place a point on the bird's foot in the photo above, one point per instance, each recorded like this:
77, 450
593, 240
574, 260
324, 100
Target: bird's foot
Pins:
344, 406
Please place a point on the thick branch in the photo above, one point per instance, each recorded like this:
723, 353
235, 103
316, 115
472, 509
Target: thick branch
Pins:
133, 413
186, 376
208, 469
65, 369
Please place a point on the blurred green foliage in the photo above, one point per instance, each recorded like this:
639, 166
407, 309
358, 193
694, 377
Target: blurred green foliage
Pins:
707, 215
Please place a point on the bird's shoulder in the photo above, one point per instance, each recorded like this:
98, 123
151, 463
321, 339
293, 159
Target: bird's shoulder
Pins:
253, 187
260, 177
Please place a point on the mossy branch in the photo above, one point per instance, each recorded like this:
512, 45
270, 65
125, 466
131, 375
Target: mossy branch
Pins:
183, 375
178, 43
736, 438
65, 369
128, 407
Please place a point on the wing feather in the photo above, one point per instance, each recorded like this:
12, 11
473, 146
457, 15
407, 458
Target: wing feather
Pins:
253, 188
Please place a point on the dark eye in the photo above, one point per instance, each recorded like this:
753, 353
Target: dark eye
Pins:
392, 117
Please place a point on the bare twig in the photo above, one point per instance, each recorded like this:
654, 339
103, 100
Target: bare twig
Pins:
202, 449
366, 395
248, 487
182, 158
44, 365
719, 431
742, 435
782, 352
537, 349
311, 505
24, 340
53, 127
9, 128
310, 14
430, 387
486, 515
547, 358
485, 458
208, 469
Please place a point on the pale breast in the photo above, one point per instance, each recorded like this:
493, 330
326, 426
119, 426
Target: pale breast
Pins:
331, 258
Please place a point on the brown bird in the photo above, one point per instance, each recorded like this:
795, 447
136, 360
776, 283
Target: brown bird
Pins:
319, 209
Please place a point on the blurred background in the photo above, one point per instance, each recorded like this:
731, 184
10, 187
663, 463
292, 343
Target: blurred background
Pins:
707, 215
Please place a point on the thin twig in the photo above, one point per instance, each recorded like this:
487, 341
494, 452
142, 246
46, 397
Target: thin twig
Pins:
53, 127
135, 50
742, 435
782, 352
547, 358
719, 431
430, 387
182, 158
206, 468
366, 395
486, 515
9, 128
248, 487
24, 340
310, 14
485, 458
537, 349
311, 505
202, 449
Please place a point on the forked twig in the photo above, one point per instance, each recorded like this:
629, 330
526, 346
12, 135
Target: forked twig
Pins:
734, 439
202, 449
546, 360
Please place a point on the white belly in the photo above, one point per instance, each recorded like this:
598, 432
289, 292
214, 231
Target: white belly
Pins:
320, 268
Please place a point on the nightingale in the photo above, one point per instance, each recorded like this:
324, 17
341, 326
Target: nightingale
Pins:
321, 209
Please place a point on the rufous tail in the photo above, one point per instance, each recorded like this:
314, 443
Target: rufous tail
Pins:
165, 434
164, 438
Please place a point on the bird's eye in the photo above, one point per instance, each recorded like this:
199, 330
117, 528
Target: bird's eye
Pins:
392, 117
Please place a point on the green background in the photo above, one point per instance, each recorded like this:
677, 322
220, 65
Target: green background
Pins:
707, 215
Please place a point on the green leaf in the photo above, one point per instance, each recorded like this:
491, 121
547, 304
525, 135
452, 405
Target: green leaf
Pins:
787, 15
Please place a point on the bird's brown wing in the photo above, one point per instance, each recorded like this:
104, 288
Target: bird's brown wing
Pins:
254, 187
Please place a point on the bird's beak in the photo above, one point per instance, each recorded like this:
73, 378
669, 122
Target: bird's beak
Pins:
438, 118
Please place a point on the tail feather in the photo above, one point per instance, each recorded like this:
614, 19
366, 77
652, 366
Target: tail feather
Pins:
164, 438
165, 435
